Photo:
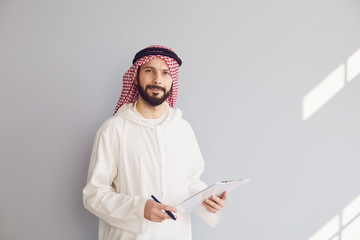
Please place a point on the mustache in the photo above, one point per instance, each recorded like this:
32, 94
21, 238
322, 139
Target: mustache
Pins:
156, 87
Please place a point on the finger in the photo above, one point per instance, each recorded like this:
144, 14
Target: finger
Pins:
169, 217
164, 216
209, 208
224, 196
161, 216
167, 208
218, 201
157, 214
156, 218
212, 204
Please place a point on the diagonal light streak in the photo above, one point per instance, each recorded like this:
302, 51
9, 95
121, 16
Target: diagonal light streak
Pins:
331, 85
343, 226
353, 66
323, 92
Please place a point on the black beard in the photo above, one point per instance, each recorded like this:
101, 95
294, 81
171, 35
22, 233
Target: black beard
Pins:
153, 100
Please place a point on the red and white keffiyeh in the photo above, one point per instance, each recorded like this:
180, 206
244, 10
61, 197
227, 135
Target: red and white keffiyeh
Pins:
129, 93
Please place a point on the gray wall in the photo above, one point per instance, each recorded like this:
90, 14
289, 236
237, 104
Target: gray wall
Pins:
247, 67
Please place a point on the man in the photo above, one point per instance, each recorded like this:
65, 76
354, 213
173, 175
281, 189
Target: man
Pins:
147, 149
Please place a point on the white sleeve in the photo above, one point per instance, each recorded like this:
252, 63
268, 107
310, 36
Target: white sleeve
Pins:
196, 168
99, 197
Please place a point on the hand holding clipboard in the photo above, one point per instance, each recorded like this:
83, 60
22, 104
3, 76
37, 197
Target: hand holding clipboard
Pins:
194, 202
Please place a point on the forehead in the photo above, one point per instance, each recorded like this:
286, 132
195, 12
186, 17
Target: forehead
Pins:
156, 63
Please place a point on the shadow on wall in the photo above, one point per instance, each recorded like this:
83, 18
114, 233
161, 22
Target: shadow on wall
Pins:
331, 85
344, 226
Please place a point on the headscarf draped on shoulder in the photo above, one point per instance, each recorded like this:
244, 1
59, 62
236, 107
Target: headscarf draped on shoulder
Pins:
129, 93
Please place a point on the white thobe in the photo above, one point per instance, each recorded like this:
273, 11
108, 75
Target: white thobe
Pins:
132, 160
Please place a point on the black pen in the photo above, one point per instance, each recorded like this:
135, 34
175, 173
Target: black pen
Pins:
168, 212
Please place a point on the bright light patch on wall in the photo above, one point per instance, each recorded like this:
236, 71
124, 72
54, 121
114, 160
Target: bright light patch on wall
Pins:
331, 85
351, 210
328, 230
352, 232
323, 92
353, 66
346, 227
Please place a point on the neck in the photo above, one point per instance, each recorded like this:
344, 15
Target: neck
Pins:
148, 111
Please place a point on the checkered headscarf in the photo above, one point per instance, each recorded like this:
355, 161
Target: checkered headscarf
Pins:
129, 93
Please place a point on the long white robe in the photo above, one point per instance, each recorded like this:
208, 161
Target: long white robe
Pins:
132, 160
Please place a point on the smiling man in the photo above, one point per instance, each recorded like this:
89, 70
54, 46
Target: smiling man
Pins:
157, 85
146, 149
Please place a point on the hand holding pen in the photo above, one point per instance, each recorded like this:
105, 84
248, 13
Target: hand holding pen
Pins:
154, 211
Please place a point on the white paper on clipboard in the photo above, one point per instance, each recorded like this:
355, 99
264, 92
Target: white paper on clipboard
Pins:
194, 202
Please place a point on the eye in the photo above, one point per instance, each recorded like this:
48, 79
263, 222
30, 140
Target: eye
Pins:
148, 70
167, 73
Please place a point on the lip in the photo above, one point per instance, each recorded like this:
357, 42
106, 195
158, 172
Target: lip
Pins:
155, 89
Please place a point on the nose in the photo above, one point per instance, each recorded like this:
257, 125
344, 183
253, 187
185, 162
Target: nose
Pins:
157, 78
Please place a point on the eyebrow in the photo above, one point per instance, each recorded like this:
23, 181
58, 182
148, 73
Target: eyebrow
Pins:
165, 69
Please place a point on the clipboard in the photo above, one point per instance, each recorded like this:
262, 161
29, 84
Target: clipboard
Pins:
194, 202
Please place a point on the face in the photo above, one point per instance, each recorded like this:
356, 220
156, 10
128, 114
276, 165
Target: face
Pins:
154, 81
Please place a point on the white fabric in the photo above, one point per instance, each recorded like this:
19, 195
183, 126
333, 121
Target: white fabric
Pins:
151, 121
130, 161
154, 121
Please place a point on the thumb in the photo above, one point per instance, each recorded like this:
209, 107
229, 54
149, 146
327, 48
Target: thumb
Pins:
224, 196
